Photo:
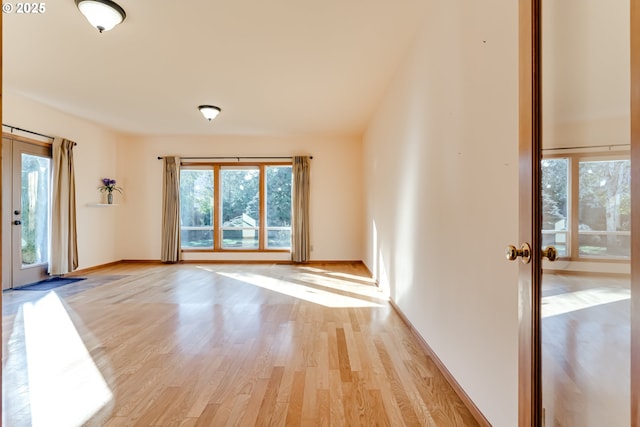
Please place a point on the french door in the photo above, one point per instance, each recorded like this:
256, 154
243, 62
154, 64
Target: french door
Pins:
579, 183
27, 201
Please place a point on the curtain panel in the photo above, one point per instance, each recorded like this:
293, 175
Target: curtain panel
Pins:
170, 250
300, 210
64, 239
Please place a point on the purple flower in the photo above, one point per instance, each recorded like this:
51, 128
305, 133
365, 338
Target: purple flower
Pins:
109, 185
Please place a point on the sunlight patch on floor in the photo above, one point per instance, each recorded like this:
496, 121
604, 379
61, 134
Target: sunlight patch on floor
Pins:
342, 285
555, 305
65, 386
296, 290
340, 275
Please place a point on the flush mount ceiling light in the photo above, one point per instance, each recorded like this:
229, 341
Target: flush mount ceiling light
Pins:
102, 14
209, 111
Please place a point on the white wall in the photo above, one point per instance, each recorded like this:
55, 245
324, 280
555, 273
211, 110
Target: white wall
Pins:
336, 190
585, 70
131, 230
441, 173
586, 90
95, 157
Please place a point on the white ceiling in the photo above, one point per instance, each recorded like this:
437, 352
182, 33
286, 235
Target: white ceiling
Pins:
274, 67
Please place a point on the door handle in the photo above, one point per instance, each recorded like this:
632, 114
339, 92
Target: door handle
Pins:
524, 252
17, 222
550, 253
512, 253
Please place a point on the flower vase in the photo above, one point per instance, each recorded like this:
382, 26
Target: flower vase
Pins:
110, 198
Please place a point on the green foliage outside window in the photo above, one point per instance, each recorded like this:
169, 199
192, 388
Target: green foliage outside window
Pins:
603, 205
240, 206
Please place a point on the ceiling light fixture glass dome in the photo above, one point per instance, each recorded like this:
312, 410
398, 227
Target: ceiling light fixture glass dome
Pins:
209, 111
101, 14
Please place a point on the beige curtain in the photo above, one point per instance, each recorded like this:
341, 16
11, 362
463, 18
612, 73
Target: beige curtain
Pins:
300, 210
171, 210
64, 240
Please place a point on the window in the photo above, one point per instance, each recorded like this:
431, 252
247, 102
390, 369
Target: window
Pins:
240, 204
278, 207
235, 207
196, 208
555, 219
605, 205
596, 208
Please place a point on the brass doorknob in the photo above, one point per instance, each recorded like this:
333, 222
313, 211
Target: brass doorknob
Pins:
524, 252
550, 253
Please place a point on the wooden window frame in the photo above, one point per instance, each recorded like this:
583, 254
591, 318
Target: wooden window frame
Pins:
573, 202
217, 205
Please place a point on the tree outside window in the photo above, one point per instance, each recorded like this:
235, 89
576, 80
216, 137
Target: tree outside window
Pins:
251, 209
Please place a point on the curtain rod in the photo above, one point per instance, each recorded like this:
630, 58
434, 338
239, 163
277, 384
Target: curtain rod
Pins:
27, 131
234, 158
31, 132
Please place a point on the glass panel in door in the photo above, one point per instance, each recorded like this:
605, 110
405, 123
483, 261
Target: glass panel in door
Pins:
35, 210
31, 213
585, 305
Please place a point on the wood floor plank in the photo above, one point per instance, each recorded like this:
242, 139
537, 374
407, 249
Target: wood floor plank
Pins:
286, 385
356, 406
279, 417
397, 387
332, 343
163, 410
323, 361
223, 412
206, 381
310, 399
336, 398
379, 415
212, 345
112, 422
349, 404
238, 409
371, 365
391, 407
208, 415
188, 422
352, 348
296, 399
343, 356
256, 398
323, 414
268, 404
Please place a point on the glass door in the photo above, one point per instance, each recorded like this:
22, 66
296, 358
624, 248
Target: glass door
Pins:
586, 200
30, 212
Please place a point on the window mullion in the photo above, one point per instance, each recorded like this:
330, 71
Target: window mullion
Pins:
263, 209
217, 228
574, 206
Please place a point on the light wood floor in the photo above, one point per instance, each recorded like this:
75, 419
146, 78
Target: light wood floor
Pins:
586, 350
217, 345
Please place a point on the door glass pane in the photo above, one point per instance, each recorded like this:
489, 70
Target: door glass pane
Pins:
555, 219
585, 304
240, 197
605, 207
196, 209
278, 207
35, 209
